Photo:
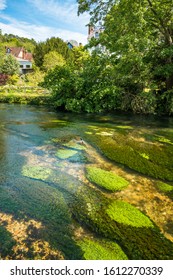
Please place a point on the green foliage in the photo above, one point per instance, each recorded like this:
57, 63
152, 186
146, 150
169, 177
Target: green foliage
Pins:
89, 89
138, 37
52, 59
13, 79
10, 65
125, 213
24, 95
101, 250
34, 78
106, 179
52, 44
145, 103
80, 56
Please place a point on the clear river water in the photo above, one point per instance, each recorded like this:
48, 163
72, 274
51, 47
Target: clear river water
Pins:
88, 186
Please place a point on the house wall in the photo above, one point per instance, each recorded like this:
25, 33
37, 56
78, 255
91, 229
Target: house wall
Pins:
21, 54
25, 66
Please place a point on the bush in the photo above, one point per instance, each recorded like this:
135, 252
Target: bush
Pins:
144, 103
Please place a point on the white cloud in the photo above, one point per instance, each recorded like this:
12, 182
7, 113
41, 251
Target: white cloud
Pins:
39, 32
65, 11
2, 5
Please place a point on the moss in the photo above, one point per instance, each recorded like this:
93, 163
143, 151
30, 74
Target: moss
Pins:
124, 127
6, 242
46, 203
73, 145
165, 140
36, 172
106, 179
144, 155
164, 187
101, 250
146, 158
65, 153
125, 213
145, 242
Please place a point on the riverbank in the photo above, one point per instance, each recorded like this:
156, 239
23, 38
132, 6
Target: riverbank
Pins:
24, 95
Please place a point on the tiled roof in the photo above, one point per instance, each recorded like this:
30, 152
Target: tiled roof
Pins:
17, 50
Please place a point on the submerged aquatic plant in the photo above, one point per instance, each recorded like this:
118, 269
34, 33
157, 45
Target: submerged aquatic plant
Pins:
6, 241
101, 250
130, 228
36, 172
106, 179
146, 158
65, 153
125, 213
165, 187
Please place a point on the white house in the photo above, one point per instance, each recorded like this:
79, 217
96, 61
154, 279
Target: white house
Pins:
23, 57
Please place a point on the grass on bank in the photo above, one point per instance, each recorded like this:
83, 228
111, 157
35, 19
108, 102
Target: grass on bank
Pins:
24, 95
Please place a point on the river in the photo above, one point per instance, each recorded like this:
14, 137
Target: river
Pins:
89, 186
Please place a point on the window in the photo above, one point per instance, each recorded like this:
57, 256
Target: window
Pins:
96, 35
21, 66
27, 66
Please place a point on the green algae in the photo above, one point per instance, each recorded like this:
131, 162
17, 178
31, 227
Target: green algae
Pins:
65, 153
27, 199
124, 127
101, 250
60, 121
125, 213
6, 242
36, 172
164, 187
165, 140
145, 242
74, 145
105, 179
72, 155
146, 158
59, 199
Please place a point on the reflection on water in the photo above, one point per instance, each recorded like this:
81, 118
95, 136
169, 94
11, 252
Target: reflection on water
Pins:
43, 182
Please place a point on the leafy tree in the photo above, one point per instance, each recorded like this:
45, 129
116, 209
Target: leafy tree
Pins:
62, 81
89, 89
52, 59
138, 27
52, 44
9, 65
39, 53
80, 55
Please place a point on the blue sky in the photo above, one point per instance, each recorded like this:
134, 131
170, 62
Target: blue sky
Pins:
42, 19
